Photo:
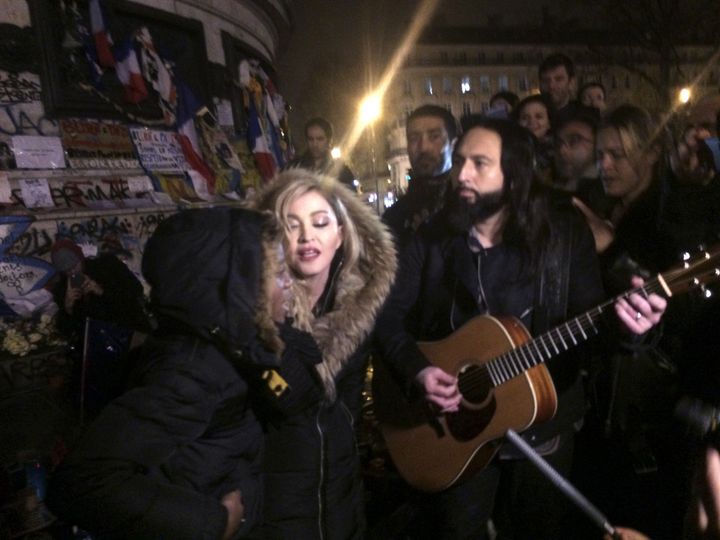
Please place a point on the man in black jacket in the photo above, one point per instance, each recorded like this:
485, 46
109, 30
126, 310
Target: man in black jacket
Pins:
431, 131
502, 246
317, 156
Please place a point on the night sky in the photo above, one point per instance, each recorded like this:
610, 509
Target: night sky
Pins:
339, 46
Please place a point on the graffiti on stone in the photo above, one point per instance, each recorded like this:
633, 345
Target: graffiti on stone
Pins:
26, 242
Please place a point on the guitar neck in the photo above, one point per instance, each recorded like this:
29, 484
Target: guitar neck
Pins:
560, 339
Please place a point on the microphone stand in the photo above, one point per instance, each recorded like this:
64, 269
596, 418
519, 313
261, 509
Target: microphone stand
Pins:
562, 484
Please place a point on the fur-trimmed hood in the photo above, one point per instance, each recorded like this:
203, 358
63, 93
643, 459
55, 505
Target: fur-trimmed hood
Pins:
359, 290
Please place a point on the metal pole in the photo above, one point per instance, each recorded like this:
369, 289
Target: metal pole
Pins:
373, 167
559, 482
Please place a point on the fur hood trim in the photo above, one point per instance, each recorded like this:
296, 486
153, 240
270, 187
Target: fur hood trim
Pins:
360, 290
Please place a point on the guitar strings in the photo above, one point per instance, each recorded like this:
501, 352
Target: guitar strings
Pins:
505, 367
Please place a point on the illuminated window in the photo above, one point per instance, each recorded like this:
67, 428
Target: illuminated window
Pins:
447, 85
465, 85
503, 82
428, 86
485, 84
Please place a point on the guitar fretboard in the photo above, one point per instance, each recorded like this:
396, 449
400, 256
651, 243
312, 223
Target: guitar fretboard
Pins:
552, 343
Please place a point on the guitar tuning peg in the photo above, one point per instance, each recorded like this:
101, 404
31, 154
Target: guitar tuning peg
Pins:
701, 247
707, 293
685, 256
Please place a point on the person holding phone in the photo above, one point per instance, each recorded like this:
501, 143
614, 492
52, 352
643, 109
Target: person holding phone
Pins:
101, 288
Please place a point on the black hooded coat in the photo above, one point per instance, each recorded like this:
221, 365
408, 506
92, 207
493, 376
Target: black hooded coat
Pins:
158, 460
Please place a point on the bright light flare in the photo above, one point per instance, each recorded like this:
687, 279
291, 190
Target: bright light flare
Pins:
336, 153
370, 109
684, 95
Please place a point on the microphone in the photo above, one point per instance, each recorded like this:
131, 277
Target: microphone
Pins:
700, 419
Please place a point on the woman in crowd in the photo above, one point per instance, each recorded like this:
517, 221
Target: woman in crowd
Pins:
178, 455
343, 262
654, 221
535, 114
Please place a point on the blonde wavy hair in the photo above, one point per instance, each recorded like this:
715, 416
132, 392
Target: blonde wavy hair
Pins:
287, 187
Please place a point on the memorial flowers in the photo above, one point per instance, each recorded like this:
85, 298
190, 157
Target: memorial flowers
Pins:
22, 336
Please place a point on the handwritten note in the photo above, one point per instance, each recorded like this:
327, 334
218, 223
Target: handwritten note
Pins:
36, 193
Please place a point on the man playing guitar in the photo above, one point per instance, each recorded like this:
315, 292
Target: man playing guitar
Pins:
502, 247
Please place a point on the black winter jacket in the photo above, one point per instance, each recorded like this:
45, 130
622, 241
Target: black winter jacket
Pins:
312, 468
157, 461
442, 284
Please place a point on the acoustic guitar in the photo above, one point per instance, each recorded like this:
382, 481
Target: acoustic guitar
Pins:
503, 381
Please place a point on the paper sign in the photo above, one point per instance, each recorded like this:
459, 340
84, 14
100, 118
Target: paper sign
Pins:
33, 152
139, 184
158, 150
5, 191
200, 184
224, 113
159, 197
36, 193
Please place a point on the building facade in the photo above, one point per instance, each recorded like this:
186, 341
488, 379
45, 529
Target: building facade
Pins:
461, 69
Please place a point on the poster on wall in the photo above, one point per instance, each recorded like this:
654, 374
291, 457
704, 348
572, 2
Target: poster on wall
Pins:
158, 150
92, 144
36, 193
34, 152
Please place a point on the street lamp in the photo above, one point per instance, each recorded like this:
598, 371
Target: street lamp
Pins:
684, 95
369, 112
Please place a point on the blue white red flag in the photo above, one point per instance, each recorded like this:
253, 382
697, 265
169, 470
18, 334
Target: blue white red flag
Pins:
128, 72
187, 108
259, 145
101, 35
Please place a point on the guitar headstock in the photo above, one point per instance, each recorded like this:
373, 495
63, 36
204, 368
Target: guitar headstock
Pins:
694, 272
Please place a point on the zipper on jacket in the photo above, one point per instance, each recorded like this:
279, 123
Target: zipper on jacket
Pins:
321, 506
482, 298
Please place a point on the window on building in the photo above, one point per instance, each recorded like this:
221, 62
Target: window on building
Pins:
461, 58
444, 57
485, 84
428, 86
523, 85
447, 85
465, 85
407, 87
467, 110
518, 57
503, 82
481, 58
500, 57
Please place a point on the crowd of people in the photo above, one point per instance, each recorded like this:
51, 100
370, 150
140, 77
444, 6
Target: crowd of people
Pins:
240, 416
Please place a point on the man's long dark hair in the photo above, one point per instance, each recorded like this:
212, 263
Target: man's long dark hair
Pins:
528, 218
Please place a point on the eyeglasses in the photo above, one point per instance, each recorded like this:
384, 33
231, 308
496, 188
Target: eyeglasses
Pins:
572, 141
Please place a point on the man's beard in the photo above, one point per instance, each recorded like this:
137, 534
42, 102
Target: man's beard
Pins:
426, 165
462, 214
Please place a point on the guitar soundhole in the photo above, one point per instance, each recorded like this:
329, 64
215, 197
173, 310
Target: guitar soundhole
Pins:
474, 384
478, 406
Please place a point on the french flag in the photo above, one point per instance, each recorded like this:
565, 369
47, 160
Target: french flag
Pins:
101, 34
187, 108
128, 71
258, 143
